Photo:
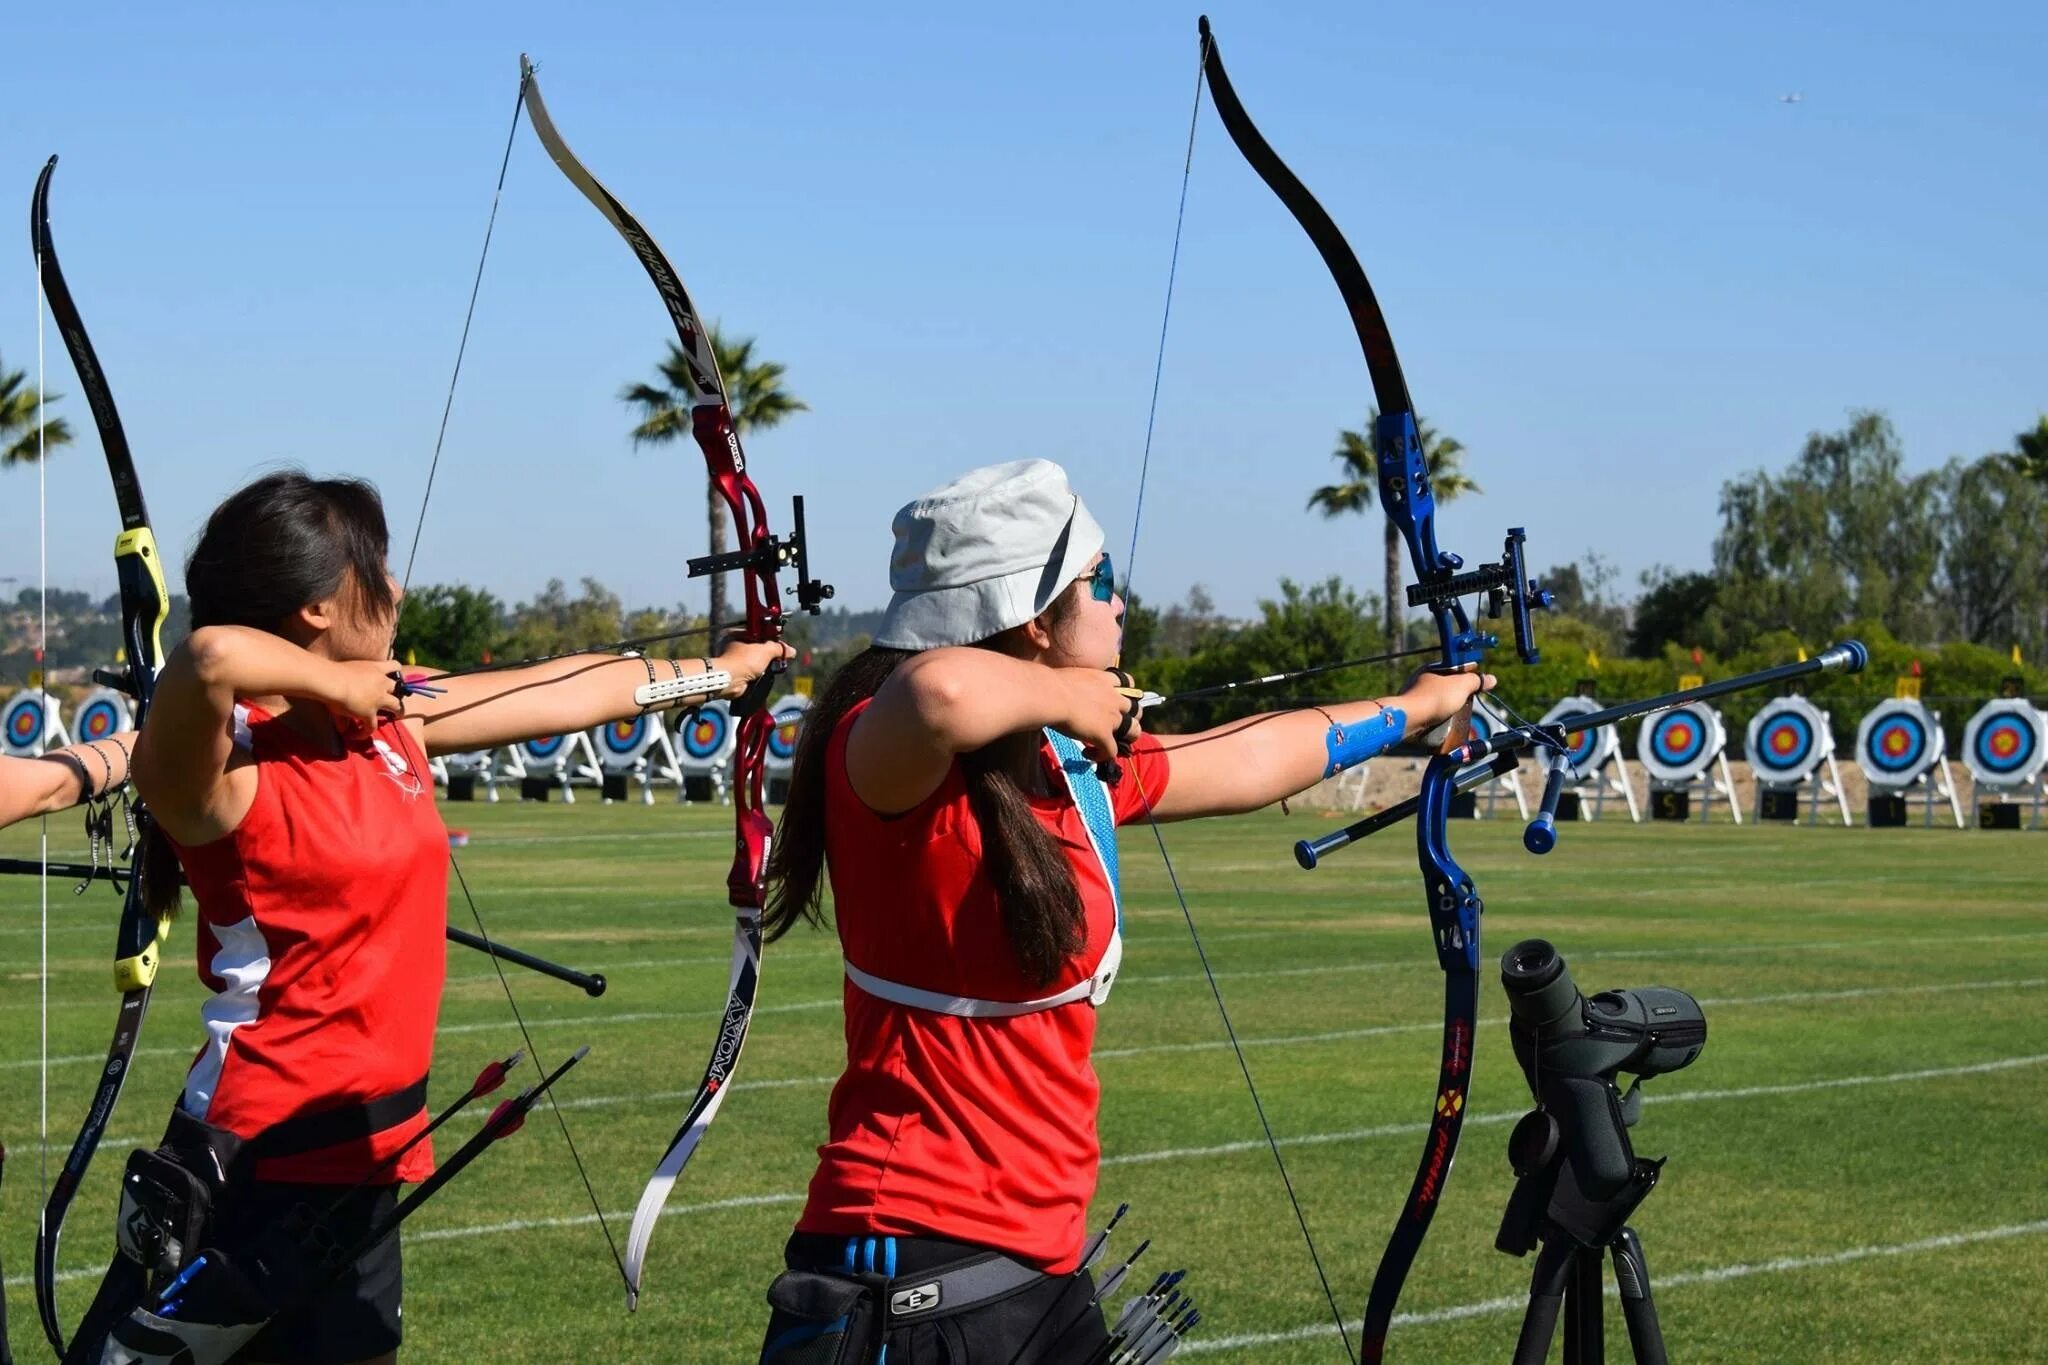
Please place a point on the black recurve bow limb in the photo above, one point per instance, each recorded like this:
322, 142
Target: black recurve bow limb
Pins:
759, 556
145, 605
1442, 582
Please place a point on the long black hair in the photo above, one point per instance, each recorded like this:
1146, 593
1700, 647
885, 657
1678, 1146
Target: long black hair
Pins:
1034, 883
275, 545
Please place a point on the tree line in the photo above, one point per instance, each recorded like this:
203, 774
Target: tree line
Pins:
1943, 572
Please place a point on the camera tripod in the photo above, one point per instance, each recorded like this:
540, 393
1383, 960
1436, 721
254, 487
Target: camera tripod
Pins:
1567, 1275
1577, 1176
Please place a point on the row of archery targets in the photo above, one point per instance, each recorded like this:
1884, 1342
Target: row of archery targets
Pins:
687, 752
1901, 751
1901, 748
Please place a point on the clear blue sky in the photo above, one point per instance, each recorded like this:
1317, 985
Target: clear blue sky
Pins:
1618, 268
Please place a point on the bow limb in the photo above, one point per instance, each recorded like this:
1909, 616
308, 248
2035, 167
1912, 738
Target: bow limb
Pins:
758, 556
145, 605
1441, 583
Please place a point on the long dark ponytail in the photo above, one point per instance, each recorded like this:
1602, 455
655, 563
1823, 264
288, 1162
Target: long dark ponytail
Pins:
1043, 917
275, 545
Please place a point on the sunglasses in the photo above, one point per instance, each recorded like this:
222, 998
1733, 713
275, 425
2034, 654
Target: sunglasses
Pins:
1101, 580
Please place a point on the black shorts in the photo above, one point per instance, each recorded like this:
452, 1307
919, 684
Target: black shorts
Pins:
1048, 1322
355, 1317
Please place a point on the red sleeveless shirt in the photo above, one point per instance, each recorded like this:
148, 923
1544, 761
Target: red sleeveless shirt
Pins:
978, 1130
322, 921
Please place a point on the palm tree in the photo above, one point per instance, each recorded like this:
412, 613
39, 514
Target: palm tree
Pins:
24, 432
756, 398
1360, 490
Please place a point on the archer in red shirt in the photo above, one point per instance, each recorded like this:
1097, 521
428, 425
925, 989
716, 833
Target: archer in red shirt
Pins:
285, 758
947, 787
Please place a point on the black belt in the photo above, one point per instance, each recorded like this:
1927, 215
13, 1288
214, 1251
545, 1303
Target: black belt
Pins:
933, 1278
353, 1121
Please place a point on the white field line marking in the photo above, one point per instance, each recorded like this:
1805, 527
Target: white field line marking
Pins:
1174, 978
1780, 1265
1287, 1040
1355, 1135
1742, 1092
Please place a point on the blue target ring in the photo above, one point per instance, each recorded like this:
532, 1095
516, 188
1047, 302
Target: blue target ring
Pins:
99, 718
1482, 725
2005, 744
545, 748
1583, 747
1898, 744
1784, 742
704, 734
1677, 738
624, 737
26, 723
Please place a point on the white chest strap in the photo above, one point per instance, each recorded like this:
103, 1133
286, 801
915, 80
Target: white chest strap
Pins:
1091, 799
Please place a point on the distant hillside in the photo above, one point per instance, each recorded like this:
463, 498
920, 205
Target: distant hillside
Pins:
85, 633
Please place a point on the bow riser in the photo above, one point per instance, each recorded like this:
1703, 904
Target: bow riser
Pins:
1441, 584
759, 555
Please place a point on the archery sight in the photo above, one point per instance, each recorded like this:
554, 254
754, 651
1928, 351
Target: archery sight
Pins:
772, 553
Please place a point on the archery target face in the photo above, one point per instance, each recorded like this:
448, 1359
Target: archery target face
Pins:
1678, 745
1587, 749
544, 756
1897, 743
2005, 744
25, 724
707, 737
100, 715
788, 715
621, 743
1788, 740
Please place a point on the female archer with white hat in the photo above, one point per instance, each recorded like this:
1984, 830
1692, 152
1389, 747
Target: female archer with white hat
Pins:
947, 784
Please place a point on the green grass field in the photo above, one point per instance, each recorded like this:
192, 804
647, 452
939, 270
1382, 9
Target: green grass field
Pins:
1856, 1169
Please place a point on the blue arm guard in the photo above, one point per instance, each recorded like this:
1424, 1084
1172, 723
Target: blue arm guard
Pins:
1369, 738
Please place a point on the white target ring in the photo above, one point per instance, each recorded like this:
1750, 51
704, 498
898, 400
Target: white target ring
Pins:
623, 744
28, 725
1678, 745
1898, 743
705, 738
103, 714
2005, 744
1787, 742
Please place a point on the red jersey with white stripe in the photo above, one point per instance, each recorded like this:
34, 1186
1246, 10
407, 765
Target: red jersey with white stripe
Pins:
979, 1130
322, 918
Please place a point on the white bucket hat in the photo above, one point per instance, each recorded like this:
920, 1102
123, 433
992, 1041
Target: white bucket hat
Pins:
986, 552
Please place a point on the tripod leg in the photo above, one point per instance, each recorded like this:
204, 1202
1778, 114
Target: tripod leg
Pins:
1583, 1338
1546, 1293
1638, 1309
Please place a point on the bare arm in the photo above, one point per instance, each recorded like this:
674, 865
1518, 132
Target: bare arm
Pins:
946, 702
1250, 763
62, 778
485, 710
183, 753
